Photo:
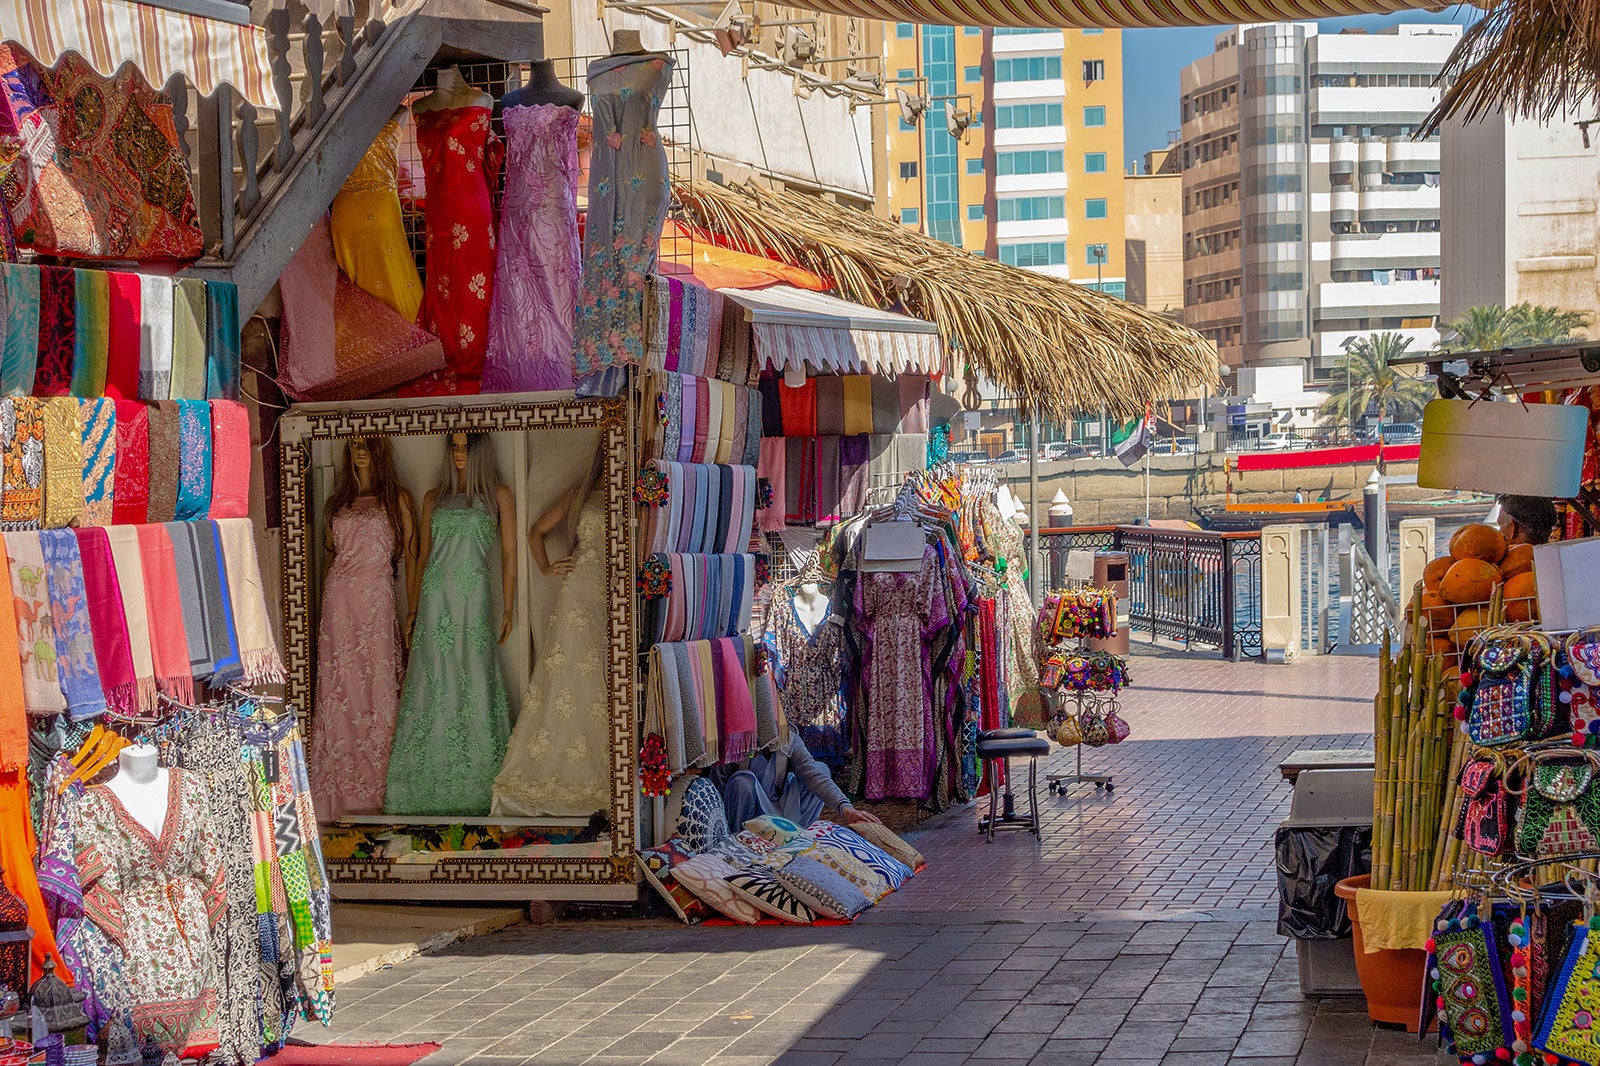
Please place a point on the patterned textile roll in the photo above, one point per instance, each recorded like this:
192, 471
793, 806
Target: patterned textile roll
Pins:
22, 437
63, 463
164, 461
97, 421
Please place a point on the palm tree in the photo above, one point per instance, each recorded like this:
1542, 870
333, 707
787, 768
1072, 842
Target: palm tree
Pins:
1491, 327
1363, 380
1549, 325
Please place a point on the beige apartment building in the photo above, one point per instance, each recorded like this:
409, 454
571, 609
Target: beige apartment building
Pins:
1154, 232
1213, 279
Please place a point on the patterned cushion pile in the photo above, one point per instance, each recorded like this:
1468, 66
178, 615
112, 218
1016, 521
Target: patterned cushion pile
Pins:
892, 870
774, 829
763, 889
706, 875
657, 865
885, 838
822, 888
700, 819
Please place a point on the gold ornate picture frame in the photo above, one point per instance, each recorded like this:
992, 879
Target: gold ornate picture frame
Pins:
489, 875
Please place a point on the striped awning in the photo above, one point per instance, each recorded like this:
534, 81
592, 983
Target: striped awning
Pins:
1133, 14
159, 41
797, 329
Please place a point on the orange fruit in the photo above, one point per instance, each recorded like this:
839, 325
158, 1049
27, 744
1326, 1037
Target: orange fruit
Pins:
1469, 581
1478, 541
1441, 646
1522, 598
1518, 560
1439, 615
1435, 571
1469, 621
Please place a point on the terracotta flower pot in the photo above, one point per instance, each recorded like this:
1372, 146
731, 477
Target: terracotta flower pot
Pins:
1391, 978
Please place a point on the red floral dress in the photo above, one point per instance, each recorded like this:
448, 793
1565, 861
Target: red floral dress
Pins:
461, 158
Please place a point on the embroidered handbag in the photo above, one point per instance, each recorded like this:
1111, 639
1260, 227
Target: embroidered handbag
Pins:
1560, 812
1580, 674
1116, 727
1095, 732
1473, 1001
1509, 698
1484, 824
1568, 1027
1070, 734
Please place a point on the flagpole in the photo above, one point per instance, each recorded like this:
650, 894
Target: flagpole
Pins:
1036, 576
1147, 486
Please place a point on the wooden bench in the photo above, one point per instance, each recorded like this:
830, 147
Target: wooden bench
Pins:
1325, 759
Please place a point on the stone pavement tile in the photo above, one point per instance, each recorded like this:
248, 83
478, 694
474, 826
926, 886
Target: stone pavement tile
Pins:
1011, 1047
1031, 1018
1264, 1043
934, 1058
1070, 1053
1282, 1016
1194, 1057
694, 1051
1142, 1040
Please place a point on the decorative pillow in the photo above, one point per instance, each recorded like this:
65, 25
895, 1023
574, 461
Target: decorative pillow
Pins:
872, 884
734, 852
822, 888
758, 844
701, 819
706, 876
763, 889
881, 862
771, 827
881, 836
657, 865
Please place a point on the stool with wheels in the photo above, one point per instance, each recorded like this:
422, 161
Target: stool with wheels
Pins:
1000, 746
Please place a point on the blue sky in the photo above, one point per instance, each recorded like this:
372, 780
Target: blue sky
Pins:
1151, 61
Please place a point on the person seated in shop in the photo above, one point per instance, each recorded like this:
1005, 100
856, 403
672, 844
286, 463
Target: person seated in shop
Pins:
787, 782
1527, 519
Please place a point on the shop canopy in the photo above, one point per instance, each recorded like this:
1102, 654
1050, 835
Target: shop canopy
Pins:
1048, 342
796, 329
160, 41
1056, 14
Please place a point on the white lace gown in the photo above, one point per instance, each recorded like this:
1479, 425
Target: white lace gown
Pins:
559, 761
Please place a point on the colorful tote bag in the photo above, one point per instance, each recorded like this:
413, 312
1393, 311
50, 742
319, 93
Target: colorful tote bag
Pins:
1569, 1027
1473, 1000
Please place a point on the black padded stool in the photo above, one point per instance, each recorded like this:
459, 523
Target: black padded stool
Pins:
1000, 745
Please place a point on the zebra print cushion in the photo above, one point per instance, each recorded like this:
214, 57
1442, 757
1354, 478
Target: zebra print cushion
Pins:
764, 891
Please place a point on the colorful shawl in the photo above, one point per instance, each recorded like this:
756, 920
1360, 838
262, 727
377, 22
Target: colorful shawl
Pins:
230, 459
194, 463
76, 664
22, 329
223, 347
207, 622
853, 452
773, 470
130, 494
155, 340
57, 310
230, 664
169, 644
22, 436
36, 632
163, 460
13, 712
134, 586
857, 404
189, 339
63, 463
123, 337
97, 420
258, 652
91, 291
109, 621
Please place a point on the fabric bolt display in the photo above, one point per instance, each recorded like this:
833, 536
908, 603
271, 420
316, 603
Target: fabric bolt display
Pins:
123, 333
224, 347
231, 455
20, 354
164, 619
207, 615
36, 632
97, 420
58, 309
108, 620
678, 432
22, 486
155, 339
91, 293
128, 563
76, 664
130, 492
684, 327
164, 461
194, 464
713, 695
63, 463
705, 508
190, 333
258, 651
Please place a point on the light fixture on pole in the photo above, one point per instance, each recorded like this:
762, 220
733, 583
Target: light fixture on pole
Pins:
1099, 253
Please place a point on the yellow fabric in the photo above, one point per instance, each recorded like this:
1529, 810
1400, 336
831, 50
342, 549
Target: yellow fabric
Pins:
63, 463
369, 239
1397, 919
857, 404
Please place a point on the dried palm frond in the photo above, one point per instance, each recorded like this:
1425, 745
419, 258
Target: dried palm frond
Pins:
1532, 59
1047, 341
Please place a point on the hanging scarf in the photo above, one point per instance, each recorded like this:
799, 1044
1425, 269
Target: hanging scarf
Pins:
63, 463
130, 493
189, 339
828, 486
22, 436
97, 420
830, 406
155, 340
57, 310
857, 404
752, 434
13, 710
131, 584
36, 632
799, 408
163, 460
230, 459
206, 621
702, 696
123, 336
21, 353
194, 463
76, 662
736, 713
664, 707
853, 453
222, 340
771, 405
91, 292
885, 405
258, 652
169, 644
230, 663
772, 470
108, 621
913, 391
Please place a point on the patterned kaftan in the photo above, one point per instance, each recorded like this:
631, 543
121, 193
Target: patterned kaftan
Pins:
809, 674
158, 899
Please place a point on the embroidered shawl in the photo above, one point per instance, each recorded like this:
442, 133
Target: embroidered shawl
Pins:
132, 584
57, 311
169, 644
36, 632
91, 291
194, 463
13, 711
230, 459
223, 346
130, 495
63, 463
123, 336
163, 460
76, 663
21, 353
189, 339
258, 652
108, 620
22, 436
97, 420
155, 340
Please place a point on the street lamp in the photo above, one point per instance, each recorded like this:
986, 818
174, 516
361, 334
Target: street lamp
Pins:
1349, 400
1099, 253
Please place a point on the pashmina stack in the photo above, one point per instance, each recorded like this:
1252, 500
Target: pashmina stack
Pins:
134, 586
258, 652
704, 508
22, 435
164, 604
76, 664
36, 632
709, 702
207, 624
21, 352
194, 463
108, 621
705, 595
98, 422
230, 459
63, 463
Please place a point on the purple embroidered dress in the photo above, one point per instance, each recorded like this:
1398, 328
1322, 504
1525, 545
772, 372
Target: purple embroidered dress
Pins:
536, 278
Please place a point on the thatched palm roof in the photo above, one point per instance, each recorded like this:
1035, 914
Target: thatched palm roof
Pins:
1047, 341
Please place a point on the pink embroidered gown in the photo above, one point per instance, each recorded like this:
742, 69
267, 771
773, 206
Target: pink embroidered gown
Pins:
358, 667
536, 276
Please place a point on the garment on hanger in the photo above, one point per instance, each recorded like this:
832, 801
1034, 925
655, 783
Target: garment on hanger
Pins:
369, 238
808, 669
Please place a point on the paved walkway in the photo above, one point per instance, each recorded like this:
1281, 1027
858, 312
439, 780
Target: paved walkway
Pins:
1140, 931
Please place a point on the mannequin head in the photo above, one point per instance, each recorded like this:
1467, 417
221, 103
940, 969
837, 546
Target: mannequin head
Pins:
368, 470
626, 42
469, 468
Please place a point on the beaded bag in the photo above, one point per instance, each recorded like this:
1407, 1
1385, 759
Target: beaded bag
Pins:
1568, 1027
1560, 814
1508, 696
1474, 1004
1484, 824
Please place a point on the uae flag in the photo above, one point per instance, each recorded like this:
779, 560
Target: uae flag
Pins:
1131, 440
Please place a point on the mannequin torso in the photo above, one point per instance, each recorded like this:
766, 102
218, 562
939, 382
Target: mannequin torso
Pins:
142, 786
543, 88
810, 605
452, 92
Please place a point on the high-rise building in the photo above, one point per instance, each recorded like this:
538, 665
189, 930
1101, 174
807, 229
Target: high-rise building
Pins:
1311, 215
1154, 229
1036, 180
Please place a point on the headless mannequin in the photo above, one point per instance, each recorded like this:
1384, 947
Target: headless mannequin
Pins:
810, 605
626, 42
543, 88
142, 786
452, 92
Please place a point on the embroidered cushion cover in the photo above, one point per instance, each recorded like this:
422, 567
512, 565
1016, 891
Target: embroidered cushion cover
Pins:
771, 827
707, 877
763, 889
892, 870
884, 837
657, 864
872, 884
702, 820
758, 844
822, 888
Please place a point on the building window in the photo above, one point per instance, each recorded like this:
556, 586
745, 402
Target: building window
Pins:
1094, 116
1094, 209
1096, 254
1119, 289
908, 170
905, 30
906, 127
1094, 70
1094, 162
1041, 161
910, 216
1028, 68
1027, 116
974, 212
971, 73
974, 166
1092, 32
1031, 208
972, 31
1018, 31
905, 74
1035, 254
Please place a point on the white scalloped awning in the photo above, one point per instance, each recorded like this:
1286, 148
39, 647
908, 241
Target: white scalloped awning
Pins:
795, 328
159, 41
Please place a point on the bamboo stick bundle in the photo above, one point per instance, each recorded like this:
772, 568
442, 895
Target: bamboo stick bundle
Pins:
1380, 767
1446, 847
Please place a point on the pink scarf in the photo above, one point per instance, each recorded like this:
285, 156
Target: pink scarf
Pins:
230, 459
169, 646
108, 622
736, 712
